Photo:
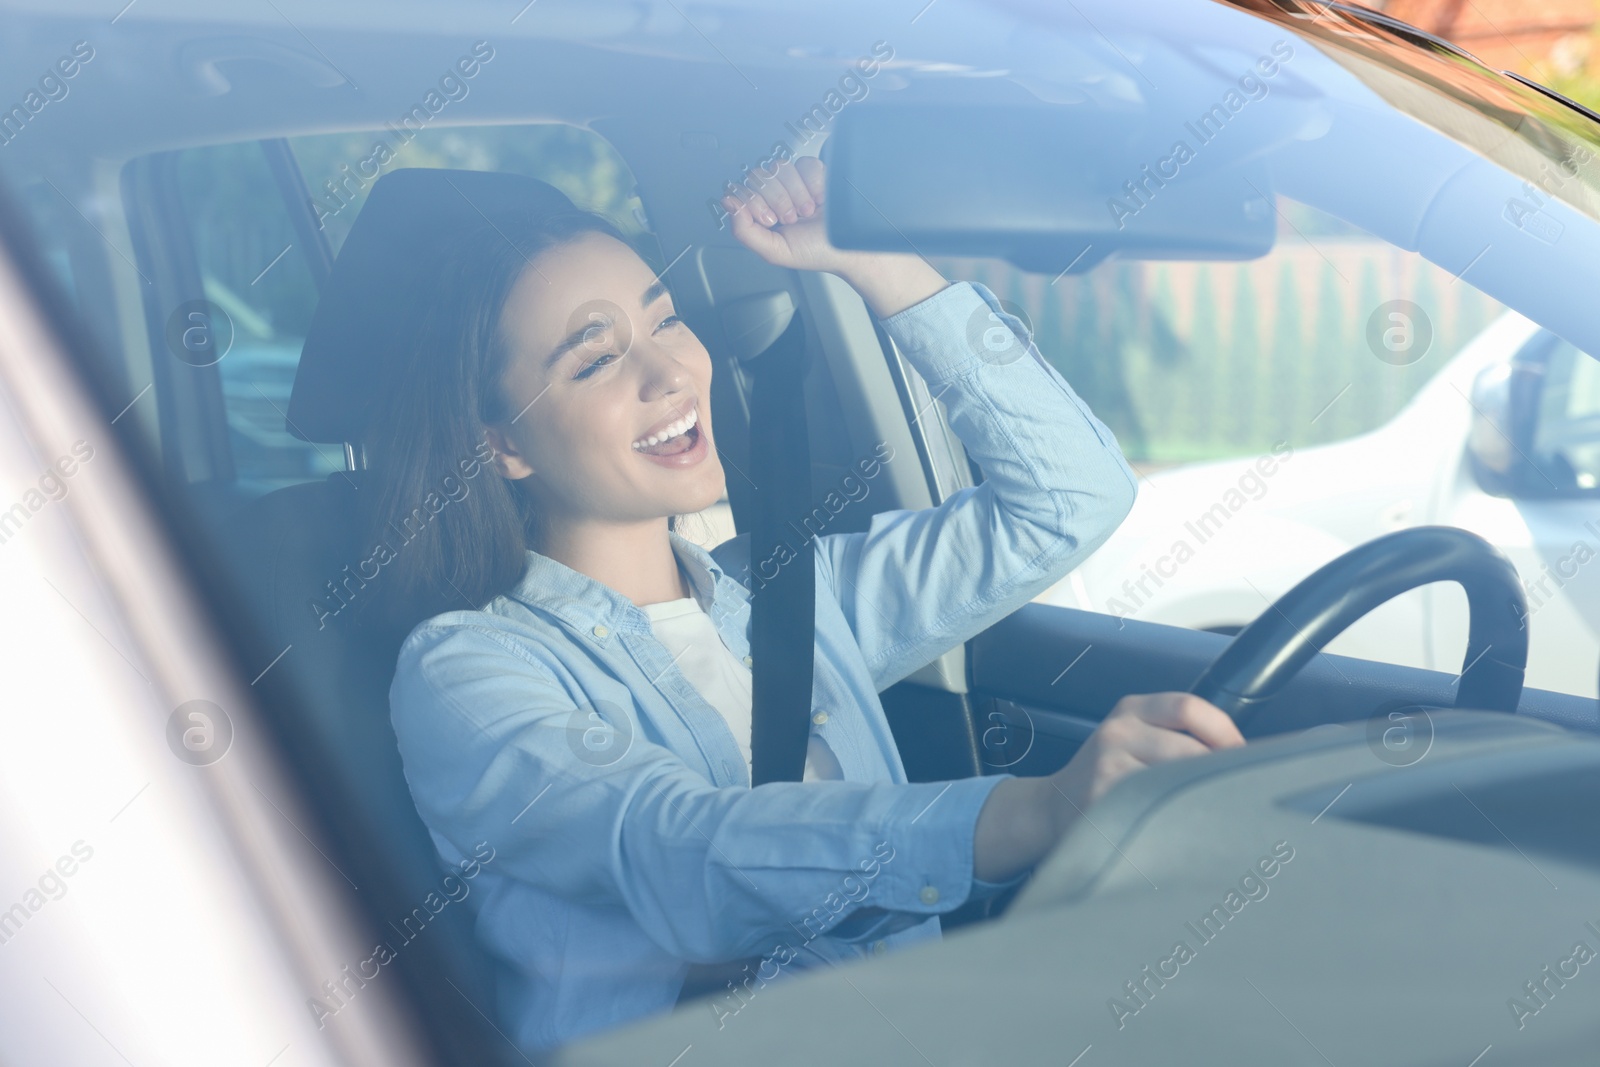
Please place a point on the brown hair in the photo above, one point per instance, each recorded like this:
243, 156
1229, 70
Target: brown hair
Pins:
457, 531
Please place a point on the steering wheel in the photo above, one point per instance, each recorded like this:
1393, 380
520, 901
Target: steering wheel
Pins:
1271, 650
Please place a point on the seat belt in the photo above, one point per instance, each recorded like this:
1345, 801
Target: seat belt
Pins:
782, 580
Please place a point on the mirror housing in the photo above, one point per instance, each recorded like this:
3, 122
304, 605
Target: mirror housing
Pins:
1491, 439
1503, 442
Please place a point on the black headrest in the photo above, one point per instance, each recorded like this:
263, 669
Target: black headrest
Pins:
388, 266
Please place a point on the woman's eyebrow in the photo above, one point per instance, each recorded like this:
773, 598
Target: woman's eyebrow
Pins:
571, 341
576, 337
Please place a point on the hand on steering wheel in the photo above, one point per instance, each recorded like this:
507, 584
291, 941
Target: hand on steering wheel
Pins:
1158, 727
1142, 730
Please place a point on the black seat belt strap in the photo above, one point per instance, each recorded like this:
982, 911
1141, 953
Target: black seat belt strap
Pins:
783, 583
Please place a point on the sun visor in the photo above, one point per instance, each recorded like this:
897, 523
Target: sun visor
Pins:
1057, 189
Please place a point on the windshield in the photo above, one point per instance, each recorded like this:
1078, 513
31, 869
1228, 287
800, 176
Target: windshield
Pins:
484, 402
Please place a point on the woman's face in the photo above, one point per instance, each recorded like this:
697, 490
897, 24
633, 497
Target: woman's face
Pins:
599, 366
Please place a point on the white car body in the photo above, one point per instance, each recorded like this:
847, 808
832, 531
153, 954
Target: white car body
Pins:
1210, 545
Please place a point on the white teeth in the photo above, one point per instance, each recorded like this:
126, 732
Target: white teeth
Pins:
682, 426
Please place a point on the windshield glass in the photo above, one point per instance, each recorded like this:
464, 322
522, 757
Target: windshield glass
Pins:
488, 369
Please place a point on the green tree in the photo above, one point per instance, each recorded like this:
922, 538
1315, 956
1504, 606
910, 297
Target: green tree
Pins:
1157, 384
1286, 355
1243, 363
1205, 348
1329, 366
1376, 384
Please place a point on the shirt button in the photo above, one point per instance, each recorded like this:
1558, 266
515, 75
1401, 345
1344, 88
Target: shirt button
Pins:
748, 661
820, 717
879, 948
929, 895
601, 631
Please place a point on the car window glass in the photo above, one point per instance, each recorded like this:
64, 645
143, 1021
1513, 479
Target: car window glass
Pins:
1279, 411
255, 274
1195, 361
340, 168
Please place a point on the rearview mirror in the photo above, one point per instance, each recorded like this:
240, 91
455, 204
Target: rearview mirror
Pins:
1049, 188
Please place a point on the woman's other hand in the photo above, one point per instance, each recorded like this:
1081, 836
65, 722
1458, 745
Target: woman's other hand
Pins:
1141, 731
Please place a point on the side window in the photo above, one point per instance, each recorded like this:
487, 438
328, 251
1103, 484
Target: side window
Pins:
255, 273
340, 168
255, 268
1568, 428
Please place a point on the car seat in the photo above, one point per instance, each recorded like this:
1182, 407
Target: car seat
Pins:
297, 547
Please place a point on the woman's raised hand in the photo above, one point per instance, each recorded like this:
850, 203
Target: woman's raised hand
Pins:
782, 219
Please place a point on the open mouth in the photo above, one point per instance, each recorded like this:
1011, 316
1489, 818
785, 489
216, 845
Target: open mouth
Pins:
676, 437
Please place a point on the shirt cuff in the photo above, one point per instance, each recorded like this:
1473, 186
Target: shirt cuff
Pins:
952, 332
982, 890
930, 871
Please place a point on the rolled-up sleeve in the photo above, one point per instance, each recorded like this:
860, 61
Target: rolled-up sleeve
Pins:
492, 746
917, 583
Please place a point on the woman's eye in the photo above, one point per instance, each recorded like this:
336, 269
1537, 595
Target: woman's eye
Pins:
595, 364
670, 320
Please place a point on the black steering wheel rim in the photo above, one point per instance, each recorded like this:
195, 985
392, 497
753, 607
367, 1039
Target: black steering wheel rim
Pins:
1265, 655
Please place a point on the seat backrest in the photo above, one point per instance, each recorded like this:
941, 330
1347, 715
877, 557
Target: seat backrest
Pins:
300, 557
297, 555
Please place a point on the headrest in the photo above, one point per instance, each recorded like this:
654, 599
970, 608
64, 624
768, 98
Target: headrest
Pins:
381, 283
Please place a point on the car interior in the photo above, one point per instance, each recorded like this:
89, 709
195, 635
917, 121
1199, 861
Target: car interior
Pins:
255, 449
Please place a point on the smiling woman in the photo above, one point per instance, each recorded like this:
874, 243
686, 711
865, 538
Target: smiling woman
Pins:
471, 368
577, 687
1339, 288
566, 334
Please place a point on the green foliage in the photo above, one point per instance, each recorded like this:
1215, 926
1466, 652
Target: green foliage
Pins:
1146, 345
1582, 86
576, 161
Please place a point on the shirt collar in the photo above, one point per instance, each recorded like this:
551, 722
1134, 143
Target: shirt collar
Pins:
583, 602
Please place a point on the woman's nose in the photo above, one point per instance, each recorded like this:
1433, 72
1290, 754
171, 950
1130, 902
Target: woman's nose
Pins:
660, 371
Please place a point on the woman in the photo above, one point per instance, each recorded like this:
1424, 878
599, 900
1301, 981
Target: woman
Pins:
589, 721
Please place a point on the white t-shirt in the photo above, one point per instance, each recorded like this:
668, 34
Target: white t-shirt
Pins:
721, 677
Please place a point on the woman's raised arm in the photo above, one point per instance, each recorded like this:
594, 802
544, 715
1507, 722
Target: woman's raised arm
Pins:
918, 583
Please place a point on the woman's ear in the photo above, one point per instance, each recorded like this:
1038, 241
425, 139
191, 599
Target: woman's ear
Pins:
507, 461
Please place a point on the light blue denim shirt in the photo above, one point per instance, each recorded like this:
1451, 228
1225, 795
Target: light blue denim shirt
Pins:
627, 841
